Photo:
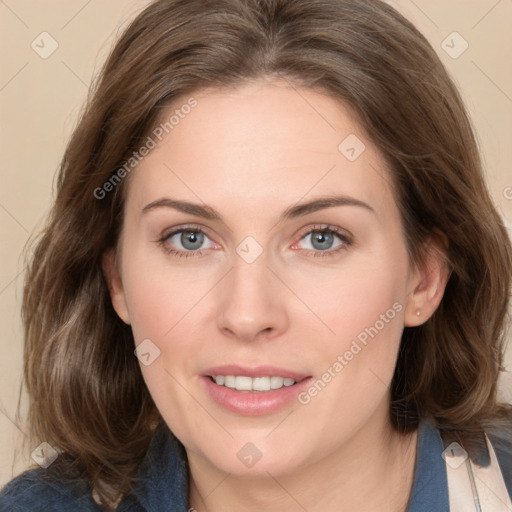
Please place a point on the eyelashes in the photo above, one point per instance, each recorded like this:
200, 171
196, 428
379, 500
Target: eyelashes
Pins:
189, 237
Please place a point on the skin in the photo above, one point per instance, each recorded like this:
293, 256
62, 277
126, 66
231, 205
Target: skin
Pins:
250, 153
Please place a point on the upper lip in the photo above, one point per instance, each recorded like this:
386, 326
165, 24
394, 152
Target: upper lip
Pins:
254, 371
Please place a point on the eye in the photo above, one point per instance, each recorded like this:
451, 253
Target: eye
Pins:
324, 240
189, 241
320, 240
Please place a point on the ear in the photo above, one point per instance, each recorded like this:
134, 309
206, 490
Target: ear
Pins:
115, 285
427, 282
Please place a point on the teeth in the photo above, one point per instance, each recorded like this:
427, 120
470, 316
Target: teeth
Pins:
261, 383
243, 383
229, 381
276, 382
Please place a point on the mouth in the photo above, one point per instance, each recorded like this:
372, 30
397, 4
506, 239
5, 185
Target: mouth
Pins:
253, 391
253, 384
256, 384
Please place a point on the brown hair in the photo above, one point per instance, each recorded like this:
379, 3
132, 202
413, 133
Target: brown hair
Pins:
87, 395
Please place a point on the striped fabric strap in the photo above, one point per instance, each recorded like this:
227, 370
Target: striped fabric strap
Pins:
472, 488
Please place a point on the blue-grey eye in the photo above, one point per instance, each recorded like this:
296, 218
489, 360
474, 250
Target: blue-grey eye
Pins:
188, 240
322, 240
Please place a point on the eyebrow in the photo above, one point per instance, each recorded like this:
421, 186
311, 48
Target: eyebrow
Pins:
297, 210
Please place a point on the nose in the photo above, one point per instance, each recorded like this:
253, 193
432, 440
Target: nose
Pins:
252, 303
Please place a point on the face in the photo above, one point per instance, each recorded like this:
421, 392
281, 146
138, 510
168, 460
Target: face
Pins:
263, 269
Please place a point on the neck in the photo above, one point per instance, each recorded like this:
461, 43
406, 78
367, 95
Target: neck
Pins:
372, 472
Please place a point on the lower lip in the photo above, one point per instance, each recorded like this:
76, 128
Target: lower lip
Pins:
254, 403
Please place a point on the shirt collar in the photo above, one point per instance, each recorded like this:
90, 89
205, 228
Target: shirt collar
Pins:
430, 488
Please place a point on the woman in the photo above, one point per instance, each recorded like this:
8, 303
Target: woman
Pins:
279, 206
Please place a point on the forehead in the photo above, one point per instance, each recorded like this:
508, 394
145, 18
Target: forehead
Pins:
269, 143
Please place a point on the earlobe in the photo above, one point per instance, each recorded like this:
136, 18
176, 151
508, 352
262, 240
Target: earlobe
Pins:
115, 285
428, 282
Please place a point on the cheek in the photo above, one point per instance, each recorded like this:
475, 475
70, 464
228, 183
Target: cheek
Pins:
366, 294
165, 302
162, 309
361, 309
161, 296
363, 306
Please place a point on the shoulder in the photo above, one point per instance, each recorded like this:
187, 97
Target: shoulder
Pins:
32, 492
162, 480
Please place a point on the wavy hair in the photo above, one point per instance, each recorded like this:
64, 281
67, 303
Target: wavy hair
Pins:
86, 391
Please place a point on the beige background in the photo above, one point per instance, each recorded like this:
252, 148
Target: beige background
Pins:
41, 98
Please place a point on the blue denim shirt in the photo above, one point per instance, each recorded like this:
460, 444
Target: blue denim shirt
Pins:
163, 482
